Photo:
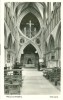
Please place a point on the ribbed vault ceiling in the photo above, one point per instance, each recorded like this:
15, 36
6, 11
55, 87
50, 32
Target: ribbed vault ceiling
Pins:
20, 7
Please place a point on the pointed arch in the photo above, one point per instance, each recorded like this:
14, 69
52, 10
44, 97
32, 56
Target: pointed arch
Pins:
29, 10
29, 16
33, 44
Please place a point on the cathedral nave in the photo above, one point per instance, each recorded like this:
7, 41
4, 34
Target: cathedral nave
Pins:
32, 48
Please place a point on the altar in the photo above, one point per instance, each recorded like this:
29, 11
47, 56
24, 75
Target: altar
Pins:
29, 58
29, 65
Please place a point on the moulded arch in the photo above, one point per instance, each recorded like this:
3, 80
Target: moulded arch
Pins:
23, 47
33, 19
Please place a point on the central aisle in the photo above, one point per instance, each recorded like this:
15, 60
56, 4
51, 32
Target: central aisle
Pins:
35, 84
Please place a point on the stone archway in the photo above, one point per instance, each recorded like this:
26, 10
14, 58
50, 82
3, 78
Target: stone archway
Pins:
23, 47
30, 56
50, 57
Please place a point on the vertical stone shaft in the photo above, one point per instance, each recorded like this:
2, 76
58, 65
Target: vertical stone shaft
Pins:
49, 11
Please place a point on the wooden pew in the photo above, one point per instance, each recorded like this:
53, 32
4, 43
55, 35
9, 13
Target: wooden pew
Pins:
12, 83
53, 74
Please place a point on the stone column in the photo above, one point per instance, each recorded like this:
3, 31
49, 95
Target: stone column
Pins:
49, 10
5, 51
54, 5
17, 43
44, 15
42, 43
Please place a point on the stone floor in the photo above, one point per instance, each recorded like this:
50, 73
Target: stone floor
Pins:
35, 84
